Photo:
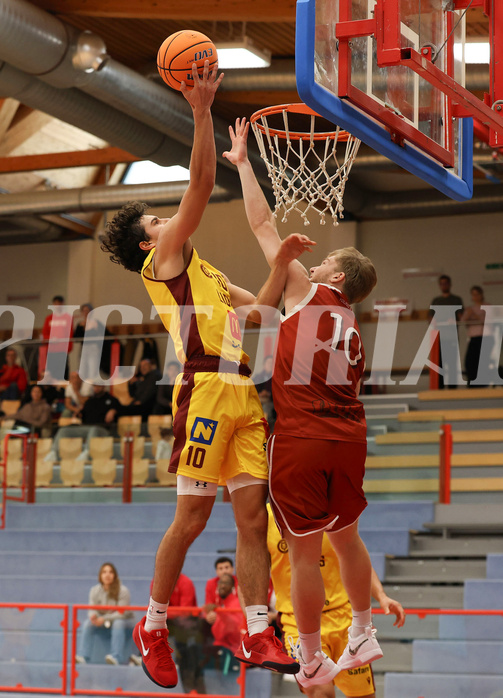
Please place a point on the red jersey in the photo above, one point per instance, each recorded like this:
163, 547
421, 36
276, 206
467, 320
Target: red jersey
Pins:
318, 367
184, 593
58, 326
226, 629
13, 374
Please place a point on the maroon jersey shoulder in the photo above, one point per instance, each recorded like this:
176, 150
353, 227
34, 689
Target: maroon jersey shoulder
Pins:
318, 369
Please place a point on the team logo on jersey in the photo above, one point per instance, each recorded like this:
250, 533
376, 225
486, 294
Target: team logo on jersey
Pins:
203, 430
206, 271
283, 546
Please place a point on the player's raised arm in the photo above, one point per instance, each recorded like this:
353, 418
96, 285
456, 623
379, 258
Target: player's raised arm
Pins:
260, 216
202, 165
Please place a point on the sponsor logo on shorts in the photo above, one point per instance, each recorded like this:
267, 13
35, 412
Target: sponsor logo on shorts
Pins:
283, 546
359, 670
201, 484
203, 430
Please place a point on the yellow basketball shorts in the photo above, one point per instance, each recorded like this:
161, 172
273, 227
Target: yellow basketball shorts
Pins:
219, 428
334, 637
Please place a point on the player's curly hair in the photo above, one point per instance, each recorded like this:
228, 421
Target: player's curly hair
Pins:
123, 235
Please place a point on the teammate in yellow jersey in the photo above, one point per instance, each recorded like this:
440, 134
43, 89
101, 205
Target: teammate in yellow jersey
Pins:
219, 426
335, 619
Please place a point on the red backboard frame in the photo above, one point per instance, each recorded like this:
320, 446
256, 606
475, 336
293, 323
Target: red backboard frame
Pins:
385, 26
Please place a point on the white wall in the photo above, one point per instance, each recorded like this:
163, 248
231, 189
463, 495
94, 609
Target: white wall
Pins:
459, 246
33, 270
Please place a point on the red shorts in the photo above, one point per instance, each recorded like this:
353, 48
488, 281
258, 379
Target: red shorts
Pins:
315, 484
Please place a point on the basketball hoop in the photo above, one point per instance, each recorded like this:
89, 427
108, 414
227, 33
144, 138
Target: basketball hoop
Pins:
304, 167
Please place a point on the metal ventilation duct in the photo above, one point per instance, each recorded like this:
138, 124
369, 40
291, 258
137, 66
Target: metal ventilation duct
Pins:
41, 45
98, 198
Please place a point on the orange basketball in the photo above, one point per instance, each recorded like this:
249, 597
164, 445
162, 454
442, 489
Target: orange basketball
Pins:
177, 54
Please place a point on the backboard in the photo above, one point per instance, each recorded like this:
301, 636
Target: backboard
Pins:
385, 70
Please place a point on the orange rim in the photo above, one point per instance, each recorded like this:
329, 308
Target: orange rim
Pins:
298, 108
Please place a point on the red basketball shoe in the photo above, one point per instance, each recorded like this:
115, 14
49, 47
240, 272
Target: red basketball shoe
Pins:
265, 650
156, 657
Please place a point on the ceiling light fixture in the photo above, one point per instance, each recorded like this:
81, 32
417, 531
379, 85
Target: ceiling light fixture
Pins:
474, 51
242, 53
147, 172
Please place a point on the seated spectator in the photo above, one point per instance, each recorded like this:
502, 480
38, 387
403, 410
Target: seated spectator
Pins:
164, 398
109, 592
223, 565
143, 390
225, 627
186, 631
34, 415
76, 394
99, 413
165, 444
13, 378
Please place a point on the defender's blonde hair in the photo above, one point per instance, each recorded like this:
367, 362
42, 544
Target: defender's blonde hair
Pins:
360, 273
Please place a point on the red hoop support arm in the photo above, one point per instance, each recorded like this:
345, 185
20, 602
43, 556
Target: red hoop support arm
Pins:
386, 28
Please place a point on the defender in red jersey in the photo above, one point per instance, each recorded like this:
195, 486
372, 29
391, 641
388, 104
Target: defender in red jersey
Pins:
317, 453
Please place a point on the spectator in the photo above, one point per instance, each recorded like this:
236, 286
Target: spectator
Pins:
58, 327
225, 627
186, 631
450, 377
143, 390
35, 414
109, 592
474, 317
96, 356
165, 444
76, 394
13, 378
223, 565
99, 413
164, 398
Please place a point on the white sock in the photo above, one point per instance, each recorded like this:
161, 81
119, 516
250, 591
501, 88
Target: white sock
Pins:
256, 619
361, 619
310, 643
156, 616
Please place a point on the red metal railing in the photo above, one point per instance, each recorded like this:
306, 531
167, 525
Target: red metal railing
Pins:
20, 687
3, 464
119, 691
173, 611
444, 475
127, 473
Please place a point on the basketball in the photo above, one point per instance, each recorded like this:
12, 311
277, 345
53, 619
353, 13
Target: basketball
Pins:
177, 54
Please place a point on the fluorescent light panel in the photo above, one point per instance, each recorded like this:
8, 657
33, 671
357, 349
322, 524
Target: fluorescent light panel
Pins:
475, 52
242, 54
147, 172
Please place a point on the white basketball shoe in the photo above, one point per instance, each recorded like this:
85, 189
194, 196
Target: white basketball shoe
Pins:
360, 650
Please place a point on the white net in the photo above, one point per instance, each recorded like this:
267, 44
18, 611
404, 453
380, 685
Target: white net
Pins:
309, 168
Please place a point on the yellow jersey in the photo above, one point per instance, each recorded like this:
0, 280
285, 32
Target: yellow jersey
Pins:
281, 574
195, 307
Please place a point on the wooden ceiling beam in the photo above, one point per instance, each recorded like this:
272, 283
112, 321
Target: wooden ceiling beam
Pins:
209, 10
70, 224
8, 111
23, 130
55, 161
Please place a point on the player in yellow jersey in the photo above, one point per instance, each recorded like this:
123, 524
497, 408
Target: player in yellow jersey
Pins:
335, 618
219, 427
